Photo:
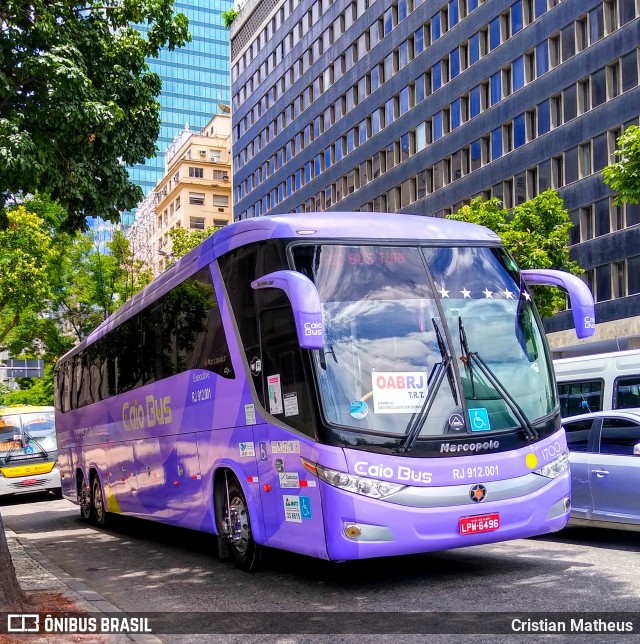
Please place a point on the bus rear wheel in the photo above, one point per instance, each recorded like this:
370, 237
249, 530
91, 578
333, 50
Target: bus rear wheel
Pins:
236, 528
84, 498
97, 502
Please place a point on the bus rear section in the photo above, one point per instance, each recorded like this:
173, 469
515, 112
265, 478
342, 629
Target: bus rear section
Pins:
598, 382
28, 451
342, 385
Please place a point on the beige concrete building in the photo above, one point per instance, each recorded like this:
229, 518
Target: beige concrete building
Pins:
194, 193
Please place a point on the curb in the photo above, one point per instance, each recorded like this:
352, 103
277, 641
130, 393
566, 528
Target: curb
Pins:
35, 572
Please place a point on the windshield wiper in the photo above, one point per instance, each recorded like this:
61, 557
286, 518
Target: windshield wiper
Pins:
437, 375
470, 357
32, 441
449, 366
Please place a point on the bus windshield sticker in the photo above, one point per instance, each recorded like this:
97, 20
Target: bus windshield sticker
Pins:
359, 409
291, 404
262, 445
479, 418
247, 449
256, 366
289, 479
279, 465
292, 509
400, 392
250, 414
275, 394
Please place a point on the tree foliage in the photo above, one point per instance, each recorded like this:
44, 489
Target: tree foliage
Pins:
228, 17
77, 99
623, 176
74, 285
537, 235
183, 240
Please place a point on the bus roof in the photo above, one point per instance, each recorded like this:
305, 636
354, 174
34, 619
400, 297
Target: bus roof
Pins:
24, 409
372, 227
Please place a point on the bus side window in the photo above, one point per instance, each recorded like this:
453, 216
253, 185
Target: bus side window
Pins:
626, 393
281, 357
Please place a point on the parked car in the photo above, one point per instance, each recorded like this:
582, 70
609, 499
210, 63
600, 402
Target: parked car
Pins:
605, 468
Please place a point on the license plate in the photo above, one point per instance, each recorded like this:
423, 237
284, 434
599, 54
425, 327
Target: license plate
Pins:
480, 523
29, 481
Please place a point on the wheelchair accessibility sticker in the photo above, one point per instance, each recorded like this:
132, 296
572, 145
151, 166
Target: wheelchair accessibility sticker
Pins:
479, 420
305, 507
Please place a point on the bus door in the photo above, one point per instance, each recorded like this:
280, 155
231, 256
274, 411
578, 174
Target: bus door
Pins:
290, 494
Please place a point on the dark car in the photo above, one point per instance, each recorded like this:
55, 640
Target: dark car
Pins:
605, 468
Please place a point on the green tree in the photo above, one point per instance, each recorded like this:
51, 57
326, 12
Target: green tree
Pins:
623, 176
77, 100
183, 240
537, 235
228, 17
25, 260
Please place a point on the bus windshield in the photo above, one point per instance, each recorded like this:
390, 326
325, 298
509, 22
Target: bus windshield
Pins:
27, 433
382, 308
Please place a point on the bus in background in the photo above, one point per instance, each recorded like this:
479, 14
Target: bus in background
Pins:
599, 382
28, 452
341, 385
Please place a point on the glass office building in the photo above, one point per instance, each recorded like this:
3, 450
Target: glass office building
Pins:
420, 105
194, 80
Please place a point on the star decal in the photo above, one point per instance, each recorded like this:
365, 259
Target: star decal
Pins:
488, 294
508, 294
443, 293
465, 293
526, 296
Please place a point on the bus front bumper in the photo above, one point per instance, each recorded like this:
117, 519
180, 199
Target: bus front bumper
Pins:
30, 482
359, 527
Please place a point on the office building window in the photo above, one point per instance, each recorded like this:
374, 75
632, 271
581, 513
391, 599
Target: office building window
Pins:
196, 198
196, 223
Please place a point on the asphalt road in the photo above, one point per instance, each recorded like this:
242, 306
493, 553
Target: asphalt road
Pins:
143, 566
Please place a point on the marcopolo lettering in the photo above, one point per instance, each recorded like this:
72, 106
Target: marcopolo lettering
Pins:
453, 448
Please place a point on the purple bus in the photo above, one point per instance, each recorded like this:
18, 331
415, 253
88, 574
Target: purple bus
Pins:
342, 385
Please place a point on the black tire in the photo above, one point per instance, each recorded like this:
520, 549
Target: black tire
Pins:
245, 553
98, 507
84, 499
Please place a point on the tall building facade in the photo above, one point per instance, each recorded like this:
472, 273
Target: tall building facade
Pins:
195, 79
418, 106
194, 192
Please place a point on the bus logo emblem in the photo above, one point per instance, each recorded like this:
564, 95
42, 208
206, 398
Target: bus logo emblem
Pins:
478, 493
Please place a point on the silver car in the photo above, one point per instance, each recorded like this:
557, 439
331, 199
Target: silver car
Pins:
605, 468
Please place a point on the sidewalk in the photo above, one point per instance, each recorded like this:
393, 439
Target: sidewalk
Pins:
37, 574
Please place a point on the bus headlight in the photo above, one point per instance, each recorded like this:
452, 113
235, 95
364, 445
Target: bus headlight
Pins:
358, 484
556, 467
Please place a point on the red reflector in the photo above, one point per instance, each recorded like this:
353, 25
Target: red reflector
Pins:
29, 482
266, 487
480, 523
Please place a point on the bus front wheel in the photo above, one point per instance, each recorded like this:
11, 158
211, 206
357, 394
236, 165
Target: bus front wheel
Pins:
235, 527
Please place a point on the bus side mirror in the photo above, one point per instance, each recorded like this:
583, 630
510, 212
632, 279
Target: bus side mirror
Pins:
636, 449
305, 303
580, 296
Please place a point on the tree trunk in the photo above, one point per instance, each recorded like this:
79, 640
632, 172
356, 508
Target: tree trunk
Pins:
11, 596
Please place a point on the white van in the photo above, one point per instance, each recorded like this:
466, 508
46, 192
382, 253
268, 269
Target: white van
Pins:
598, 382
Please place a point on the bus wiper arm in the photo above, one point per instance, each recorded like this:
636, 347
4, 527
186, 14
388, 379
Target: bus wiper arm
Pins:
32, 441
437, 375
473, 356
464, 347
443, 352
